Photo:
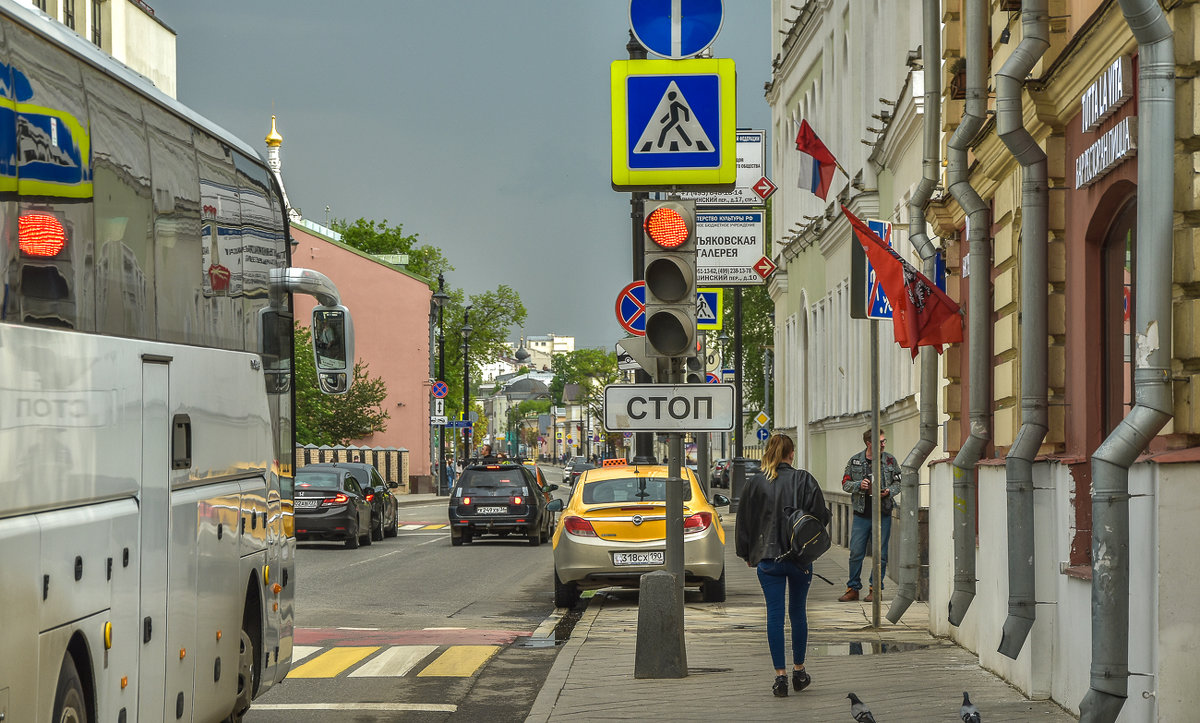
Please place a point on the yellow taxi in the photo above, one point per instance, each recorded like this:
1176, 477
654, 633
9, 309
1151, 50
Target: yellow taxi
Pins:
613, 530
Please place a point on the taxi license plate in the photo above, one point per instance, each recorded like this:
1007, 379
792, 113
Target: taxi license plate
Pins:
638, 558
500, 510
306, 503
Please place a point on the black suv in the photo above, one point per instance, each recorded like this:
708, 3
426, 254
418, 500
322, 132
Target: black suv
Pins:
499, 499
377, 491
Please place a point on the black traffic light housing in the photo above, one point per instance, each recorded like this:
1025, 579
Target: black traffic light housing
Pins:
670, 277
694, 372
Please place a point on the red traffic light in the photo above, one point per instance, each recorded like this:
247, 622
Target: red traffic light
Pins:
667, 227
41, 235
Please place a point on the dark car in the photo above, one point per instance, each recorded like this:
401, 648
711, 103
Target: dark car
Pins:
384, 518
719, 467
329, 504
577, 468
752, 468
500, 499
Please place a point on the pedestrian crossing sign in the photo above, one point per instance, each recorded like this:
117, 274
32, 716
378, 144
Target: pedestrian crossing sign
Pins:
674, 123
710, 309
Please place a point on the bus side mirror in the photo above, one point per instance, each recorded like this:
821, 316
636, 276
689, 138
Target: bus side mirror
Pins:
333, 348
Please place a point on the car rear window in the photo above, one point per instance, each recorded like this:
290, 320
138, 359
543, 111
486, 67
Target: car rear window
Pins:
317, 478
629, 489
493, 482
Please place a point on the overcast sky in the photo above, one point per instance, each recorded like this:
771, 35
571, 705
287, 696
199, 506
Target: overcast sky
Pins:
481, 125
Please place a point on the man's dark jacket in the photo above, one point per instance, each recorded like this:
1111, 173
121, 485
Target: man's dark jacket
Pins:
762, 524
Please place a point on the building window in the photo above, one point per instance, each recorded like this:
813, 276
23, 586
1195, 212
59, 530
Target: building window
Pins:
40, 5
1117, 312
97, 24
68, 17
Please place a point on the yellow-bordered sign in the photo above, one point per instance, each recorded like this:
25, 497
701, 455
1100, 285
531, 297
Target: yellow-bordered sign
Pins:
674, 123
710, 309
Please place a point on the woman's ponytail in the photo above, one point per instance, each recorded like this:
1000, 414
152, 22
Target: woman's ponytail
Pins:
779, 447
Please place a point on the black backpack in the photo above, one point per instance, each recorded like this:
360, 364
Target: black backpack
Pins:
805, 538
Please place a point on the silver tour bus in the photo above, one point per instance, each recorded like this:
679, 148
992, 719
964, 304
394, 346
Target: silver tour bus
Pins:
146, 396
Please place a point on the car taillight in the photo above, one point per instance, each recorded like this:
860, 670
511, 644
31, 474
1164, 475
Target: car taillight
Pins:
579, 527
466, 500
698, 522
339, 499
518, 500
370, 498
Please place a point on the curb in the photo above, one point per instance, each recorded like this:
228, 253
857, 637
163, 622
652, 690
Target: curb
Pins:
556, 680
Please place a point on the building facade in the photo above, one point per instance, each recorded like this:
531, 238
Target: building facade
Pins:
1108, 602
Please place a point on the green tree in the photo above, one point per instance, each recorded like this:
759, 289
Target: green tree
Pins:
584, 367
323, 419
376, 237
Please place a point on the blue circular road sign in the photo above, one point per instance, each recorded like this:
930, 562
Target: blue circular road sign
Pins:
440, 390
676, 29
762, 434
631, 308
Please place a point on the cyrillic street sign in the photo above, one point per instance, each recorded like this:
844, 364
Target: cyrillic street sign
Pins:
728, 245
751, 173
674, 123
669, 407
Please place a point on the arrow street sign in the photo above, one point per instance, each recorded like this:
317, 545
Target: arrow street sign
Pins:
764, 267
439, 407
459, 423
669, 407
762, 434
676, 28
764, 188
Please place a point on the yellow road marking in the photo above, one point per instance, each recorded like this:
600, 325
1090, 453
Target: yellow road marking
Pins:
436, 527
460, 661
329, 664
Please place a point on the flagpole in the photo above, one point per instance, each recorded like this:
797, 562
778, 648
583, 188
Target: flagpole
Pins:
843, 170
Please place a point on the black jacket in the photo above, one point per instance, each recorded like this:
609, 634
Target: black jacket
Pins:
761, 526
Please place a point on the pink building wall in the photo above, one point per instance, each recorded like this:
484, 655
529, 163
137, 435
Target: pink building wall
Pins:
391, 331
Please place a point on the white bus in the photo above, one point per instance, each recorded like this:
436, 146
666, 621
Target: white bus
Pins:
146, 435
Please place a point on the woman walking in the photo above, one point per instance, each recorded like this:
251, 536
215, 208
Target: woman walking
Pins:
761, 534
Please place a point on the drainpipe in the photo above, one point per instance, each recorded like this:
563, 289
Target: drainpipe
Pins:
910, 470
980, 308
1152, 363
1035, 199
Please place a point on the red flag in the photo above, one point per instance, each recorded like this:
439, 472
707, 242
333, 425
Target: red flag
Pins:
922, 314
816, 167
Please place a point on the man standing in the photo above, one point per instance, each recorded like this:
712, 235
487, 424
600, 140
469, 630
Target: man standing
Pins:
486, 456
857, 481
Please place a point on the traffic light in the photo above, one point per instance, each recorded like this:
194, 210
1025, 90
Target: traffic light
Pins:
695, 373
670, 278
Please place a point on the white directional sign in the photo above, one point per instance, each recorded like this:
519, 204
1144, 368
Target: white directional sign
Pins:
437, 421
669, 407
439, 407
751, 169
728, 245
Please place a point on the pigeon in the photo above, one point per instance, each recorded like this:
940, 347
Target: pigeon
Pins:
968, 711
859, 710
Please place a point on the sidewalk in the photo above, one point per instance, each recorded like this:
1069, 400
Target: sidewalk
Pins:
900, 671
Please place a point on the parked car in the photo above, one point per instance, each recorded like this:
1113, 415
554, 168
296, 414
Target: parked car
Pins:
719, 466
500, 499
384, 507
613, 530
752, 468
329, 504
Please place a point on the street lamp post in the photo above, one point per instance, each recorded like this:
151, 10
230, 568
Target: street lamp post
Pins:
466, 332
440, 297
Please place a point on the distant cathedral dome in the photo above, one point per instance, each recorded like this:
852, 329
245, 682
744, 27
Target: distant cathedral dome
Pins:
523, 354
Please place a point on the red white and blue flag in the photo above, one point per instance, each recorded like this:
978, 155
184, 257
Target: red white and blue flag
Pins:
816, 162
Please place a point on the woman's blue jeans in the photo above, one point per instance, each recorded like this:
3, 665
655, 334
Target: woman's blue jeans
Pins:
775, 578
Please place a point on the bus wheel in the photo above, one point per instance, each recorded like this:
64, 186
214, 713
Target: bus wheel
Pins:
70, 704
245, 679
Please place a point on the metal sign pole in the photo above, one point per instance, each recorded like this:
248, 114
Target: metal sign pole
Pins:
876, 482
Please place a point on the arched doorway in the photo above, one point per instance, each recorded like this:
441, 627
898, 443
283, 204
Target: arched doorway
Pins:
1117, 254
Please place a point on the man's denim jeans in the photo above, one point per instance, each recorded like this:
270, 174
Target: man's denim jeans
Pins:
775, 578
860, 538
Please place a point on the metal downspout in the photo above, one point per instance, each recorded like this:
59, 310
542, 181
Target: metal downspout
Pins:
979, 308
1152, 363
910, 478
1035, 199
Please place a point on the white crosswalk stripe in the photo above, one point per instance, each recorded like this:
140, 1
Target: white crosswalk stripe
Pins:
394, 662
